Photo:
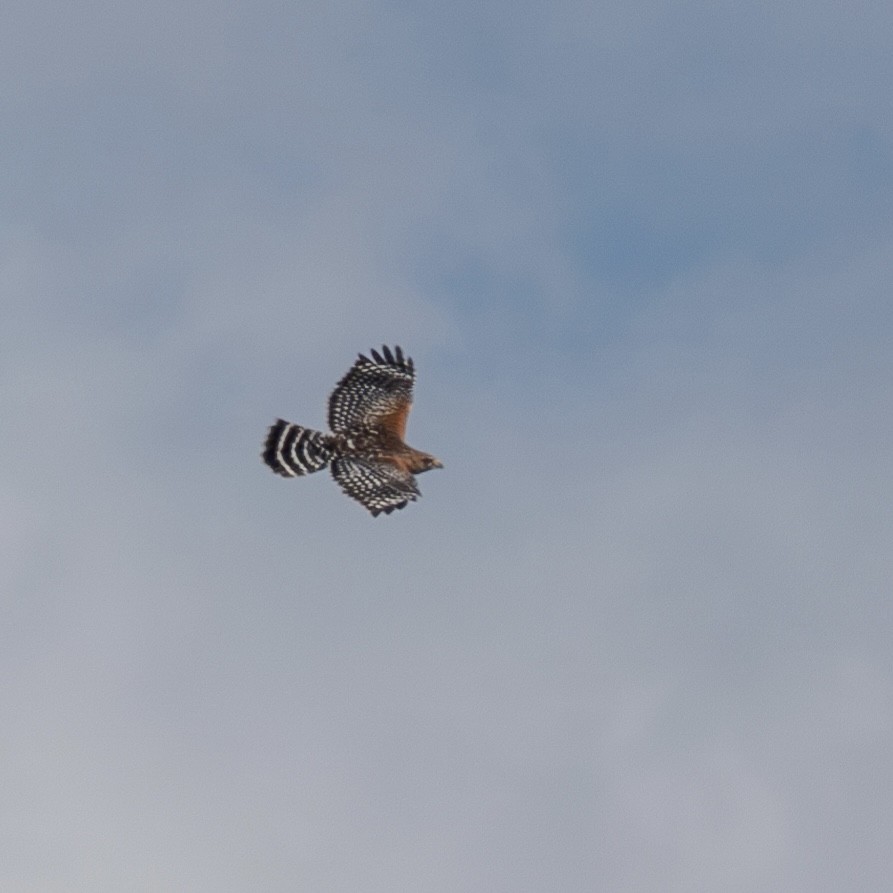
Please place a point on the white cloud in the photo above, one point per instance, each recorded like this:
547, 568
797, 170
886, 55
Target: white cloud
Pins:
635, 634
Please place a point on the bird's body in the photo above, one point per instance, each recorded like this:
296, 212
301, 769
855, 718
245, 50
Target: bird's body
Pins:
365, 451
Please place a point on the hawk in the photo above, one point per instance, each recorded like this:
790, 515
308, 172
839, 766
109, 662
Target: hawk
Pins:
365, 451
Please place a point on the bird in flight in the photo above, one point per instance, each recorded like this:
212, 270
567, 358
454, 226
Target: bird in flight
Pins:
365, 452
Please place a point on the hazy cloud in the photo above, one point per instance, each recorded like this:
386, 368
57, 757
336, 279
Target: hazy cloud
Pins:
636, 634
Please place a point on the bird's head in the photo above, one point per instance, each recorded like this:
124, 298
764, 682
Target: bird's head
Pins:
426, 462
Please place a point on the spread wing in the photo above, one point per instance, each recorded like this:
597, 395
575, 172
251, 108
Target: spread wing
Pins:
379, 486
374, 393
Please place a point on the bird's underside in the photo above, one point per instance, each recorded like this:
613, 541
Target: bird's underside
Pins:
365, 452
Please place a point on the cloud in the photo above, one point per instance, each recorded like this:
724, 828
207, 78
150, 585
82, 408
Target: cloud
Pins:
635, 635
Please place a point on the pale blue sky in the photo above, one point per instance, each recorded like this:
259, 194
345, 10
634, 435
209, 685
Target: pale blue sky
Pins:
636, 635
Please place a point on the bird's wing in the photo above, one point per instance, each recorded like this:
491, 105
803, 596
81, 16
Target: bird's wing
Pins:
379, 486
375, 392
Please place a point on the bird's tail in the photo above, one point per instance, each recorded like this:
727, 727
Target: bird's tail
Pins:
291, 450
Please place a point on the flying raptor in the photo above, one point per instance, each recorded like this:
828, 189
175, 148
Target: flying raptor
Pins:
366, 451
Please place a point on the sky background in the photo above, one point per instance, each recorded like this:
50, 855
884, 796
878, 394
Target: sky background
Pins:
637, 634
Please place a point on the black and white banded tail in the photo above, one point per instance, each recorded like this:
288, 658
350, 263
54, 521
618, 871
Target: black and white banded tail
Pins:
291, 450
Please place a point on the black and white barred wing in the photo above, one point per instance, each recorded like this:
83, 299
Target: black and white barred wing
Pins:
378, 486
291, 450
375, 391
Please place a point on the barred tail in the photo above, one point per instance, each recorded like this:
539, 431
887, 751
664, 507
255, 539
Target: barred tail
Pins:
291, 450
